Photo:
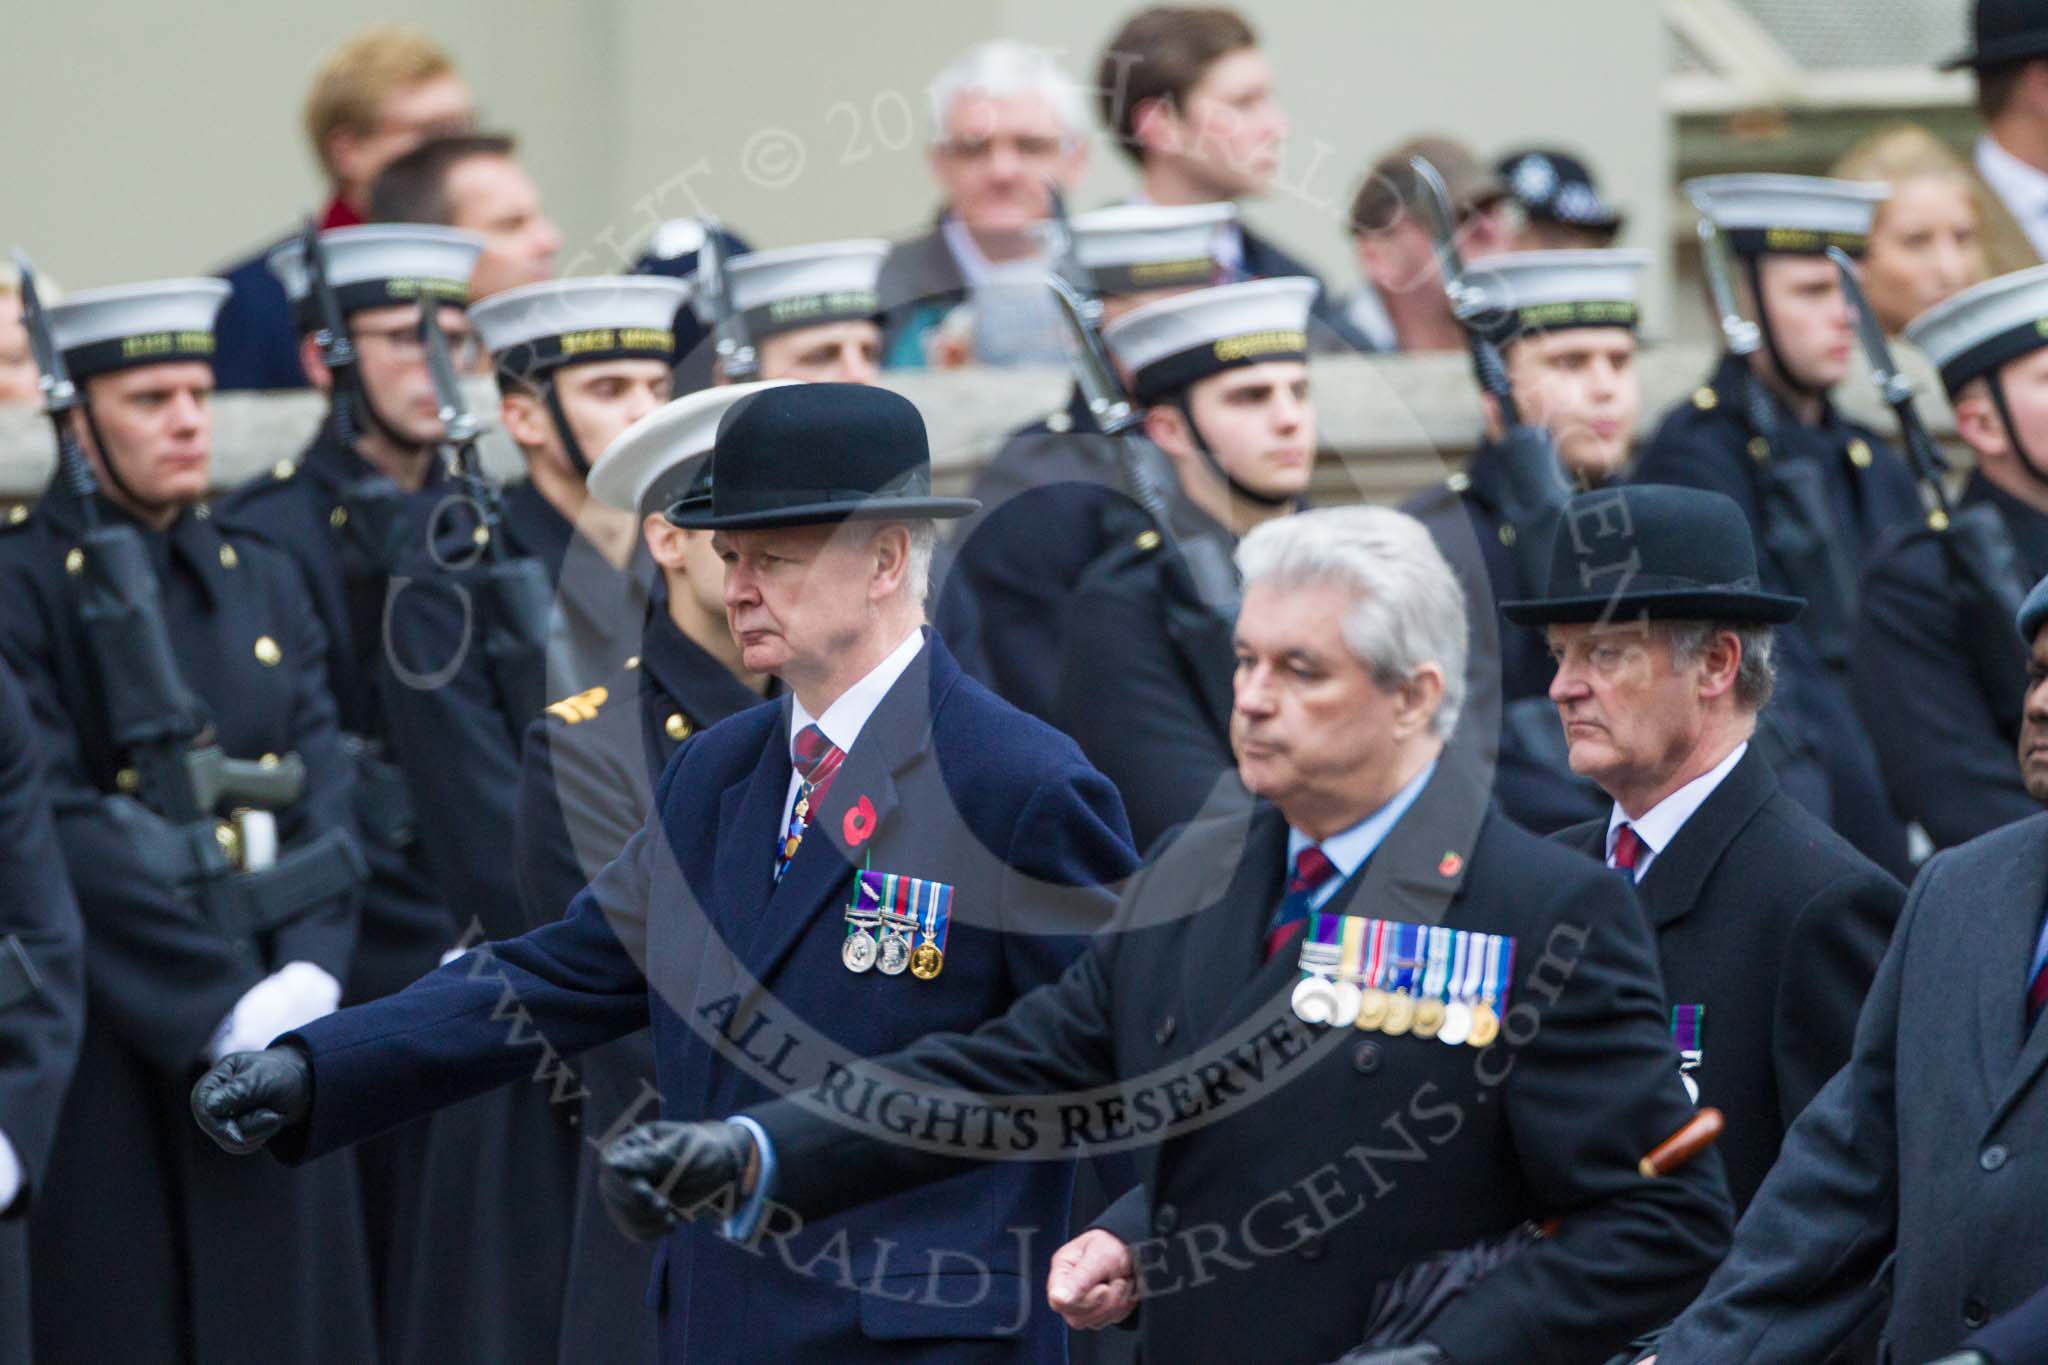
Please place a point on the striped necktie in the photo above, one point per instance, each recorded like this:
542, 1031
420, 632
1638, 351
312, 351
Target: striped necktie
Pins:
1312, 870
816, 759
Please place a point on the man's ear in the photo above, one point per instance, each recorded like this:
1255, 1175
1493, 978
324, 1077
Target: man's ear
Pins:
665, 542
1979, 426
1167, 429
1377, 261
1720, 664
1421, 693
315, 368
523, 418
1155, 127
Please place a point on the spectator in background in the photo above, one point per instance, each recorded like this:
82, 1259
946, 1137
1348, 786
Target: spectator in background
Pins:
374, 98
1402, 305
18, 373
474, 181
1561, 205
1926, 243
2009, 42
1007, 121
1188, 95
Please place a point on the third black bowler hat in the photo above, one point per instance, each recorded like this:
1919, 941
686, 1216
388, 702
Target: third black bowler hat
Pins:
2004, 31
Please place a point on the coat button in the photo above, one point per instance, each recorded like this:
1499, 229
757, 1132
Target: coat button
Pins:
1975, 1314
1164, 1033
1992, 1157
1365, 1058
676, 727
1312, 1248
1165, 1219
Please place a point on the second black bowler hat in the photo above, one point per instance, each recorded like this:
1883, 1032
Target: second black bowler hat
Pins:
803, 454
1650, 550
2004, 31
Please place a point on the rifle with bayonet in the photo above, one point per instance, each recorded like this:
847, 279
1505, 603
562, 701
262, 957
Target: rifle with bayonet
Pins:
731, 341
1797, 524
515, 594
1534, 489
1210, 578
176, 783
1983, 563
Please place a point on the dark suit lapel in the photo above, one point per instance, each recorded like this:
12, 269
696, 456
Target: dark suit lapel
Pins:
1224, 945
895, 736
2013, 1056
1672, 886
749, 822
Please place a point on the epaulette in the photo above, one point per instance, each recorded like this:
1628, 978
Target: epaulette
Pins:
579, 708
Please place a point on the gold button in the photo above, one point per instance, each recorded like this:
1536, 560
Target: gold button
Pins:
17, 514
228, 558
1059, 422
74, 560
1507, 535
127, 779
633, 662
338, 518
1859, 453
1937, 520
230, 840
1458, 482
677, 727
481, 535
1759, 449
267, 652
283, 469
267, 761
1705, 399
1148, 540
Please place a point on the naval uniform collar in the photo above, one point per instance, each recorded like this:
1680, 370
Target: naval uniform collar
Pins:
687, 674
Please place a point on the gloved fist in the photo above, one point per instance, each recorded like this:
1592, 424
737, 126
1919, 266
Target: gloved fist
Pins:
247, 1098
657, 1175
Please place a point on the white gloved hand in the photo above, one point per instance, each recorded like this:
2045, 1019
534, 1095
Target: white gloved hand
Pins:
291, 997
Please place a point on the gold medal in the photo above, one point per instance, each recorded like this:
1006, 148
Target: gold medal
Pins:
1485, 1026
1429, 1017
1372, 1009
927, 961
1400, 1014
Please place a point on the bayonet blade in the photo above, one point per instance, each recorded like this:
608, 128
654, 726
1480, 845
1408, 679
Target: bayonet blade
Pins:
1877, 350
459, 425
1093, 371
59, 394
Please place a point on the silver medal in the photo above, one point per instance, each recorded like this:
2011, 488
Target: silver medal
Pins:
1315, 1000
895, 952
860, 952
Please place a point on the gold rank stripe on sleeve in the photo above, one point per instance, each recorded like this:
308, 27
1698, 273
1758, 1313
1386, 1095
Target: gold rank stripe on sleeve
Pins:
579, 708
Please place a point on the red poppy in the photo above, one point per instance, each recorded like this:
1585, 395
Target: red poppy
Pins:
859, 822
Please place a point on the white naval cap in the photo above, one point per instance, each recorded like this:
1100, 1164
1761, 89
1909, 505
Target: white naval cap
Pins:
541, 327
655, 461
1170, 343
97, 330
1979, 330
1543, 291
1797, 214
1133, 248
804, 286
378, 265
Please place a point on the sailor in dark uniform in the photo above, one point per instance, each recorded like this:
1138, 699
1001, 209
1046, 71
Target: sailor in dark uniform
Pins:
1004, 592
1940, 689
810, 312
587, 783
1817, 488
577, 362
1145, 685
1568, 339
347, 514
147, 1245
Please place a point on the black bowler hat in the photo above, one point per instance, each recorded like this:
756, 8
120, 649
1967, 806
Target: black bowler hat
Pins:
800, 454
1649, 550
2004, 31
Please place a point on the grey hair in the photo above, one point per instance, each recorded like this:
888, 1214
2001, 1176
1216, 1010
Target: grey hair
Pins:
924, 544
1756, 677
1005, 68
1408, 609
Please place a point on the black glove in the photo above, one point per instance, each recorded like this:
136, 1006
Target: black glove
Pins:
1421, 1353
659, 1174
248, 1098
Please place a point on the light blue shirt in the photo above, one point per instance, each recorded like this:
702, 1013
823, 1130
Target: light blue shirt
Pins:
1348, 849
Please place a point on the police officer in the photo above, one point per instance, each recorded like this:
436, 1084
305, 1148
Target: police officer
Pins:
587, 782
1004, 596
1939, 691
577, 361
42, 1000
1818, 489
214, 1261
1567, 332
745, 922
1145, 684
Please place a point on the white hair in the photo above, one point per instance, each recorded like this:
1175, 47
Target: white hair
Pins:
1407, 608
924, 545
1005, 68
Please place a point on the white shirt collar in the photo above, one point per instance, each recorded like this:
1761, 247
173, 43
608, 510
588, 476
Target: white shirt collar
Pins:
2024, 188
848, 714
1348, 849
1660, 823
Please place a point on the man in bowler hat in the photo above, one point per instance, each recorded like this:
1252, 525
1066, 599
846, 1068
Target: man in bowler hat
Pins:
744, 922
1769, 925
